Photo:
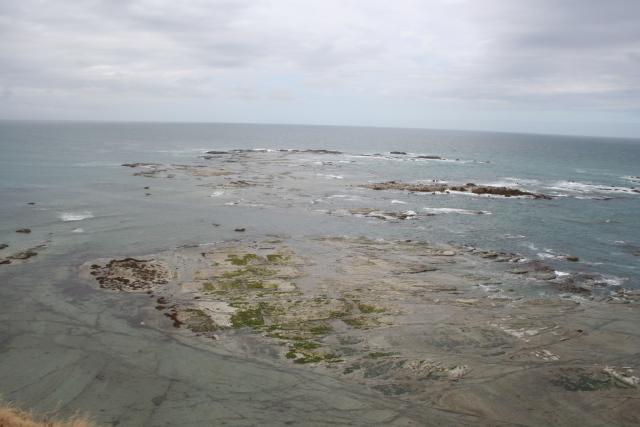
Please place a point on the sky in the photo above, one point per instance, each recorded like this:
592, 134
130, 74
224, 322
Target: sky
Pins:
541, 66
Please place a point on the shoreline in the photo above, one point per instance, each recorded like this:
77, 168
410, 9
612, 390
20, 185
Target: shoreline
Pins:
442, 332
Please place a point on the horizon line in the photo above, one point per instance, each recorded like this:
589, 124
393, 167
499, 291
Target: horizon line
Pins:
565, 135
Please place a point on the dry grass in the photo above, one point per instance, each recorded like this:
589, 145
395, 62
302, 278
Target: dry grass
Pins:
13, 417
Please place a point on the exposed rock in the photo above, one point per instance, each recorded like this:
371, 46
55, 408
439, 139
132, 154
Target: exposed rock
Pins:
587, 283
23, 230
429, 157
241, 183
535, 269
420, 269
317, 151
441, 188
217, 152
572, 258
239, 230
139, 165
375, 213
130, 274
398, 152
3, 246
22, 255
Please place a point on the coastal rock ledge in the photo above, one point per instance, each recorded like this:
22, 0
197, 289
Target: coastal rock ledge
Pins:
437, 187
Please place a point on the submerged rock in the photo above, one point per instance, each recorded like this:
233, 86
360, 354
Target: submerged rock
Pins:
3, 246
24, 254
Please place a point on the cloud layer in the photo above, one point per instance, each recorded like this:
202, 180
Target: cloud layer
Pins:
437, 63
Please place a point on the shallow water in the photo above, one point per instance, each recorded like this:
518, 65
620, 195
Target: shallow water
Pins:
87, 206
73, 169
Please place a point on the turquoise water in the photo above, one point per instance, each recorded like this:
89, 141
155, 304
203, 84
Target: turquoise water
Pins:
74, 168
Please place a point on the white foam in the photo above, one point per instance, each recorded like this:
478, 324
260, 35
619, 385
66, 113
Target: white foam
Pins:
613, 280
77, 230
398, 202
437, 211
346, 197
584, 187
75, 216
329, 176
216, 194
547, 255
635, 179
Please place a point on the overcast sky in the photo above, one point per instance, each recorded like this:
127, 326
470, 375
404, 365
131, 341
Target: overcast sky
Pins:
550, 66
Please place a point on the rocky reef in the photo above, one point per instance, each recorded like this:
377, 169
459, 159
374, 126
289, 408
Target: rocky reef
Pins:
408, 319
437, 187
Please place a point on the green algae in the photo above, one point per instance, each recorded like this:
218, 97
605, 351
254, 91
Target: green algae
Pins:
277, 258
198, 321
356, 322
368, 309
581, 380
252, 270
321, 329
248, 317
379, 354
305, 345
241, 260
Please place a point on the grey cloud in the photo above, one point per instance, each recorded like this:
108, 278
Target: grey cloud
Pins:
570, 53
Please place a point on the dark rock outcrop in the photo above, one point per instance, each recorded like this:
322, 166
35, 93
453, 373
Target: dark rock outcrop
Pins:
130, 274
442, 188
430, 157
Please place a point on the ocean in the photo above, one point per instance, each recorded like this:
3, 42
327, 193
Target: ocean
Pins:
426, 303
72, 169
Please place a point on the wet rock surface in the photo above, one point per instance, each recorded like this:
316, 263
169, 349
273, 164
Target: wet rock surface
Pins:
413, 321
130, 274
314, 325
443, 188
22, 256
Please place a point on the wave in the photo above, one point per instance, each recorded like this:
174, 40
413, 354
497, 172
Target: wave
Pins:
437, 211
330, 176
588, 188
75, 216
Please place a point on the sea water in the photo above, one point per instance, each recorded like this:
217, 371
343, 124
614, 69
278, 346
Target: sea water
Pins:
73, 174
